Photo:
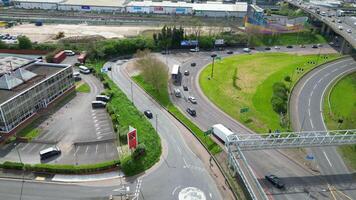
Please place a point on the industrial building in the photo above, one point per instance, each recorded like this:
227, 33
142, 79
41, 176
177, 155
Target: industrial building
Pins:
28, 87
207, 9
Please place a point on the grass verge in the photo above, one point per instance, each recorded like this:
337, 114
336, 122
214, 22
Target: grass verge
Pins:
305, 37
83, 88
125, 114
164, 100
250, 84
342, 106
30, 132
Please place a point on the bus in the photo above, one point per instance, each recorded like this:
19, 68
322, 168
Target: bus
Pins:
49, 152
83, 69
98, 104
102, 98
175, 72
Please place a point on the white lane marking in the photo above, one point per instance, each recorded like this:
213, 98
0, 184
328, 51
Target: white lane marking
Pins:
76, 150
175, 189
86, 150
96, 149
180, 151
327, 159
185, 163
32, 148
211, 196
320, 80
24, 147
316, 85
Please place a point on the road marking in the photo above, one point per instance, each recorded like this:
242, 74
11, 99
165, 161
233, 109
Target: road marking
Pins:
180, 151
185, 163
32, 148
175, 189
24, 147
96, 149
327, 159
316, 85
211, 196
76, 150
86, 150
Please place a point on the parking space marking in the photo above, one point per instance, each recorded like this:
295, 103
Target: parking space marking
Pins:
76, 150
86, 150
24, 147
96, 149
32, 148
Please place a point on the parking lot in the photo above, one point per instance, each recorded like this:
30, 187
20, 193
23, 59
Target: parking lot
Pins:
83, 134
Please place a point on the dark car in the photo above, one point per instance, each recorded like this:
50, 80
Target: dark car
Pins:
289, 46
275, 181
148, 114
185, 88
193, 64
268, 48
186, 72
229, 52
315, 46
191, 111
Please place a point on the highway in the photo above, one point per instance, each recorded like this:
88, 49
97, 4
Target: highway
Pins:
307, 115
208, 114
180, 167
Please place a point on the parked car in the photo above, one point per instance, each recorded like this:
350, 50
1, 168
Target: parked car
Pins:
247, 50
148, 114
302, 46
276, 47
69, 52
194, 50
186, 72
192, 112
289, 46
340, 27
275, 181
349, 31
185, 88
339, 21
193, 64
229, 52
314, 46
268, 48
192, 99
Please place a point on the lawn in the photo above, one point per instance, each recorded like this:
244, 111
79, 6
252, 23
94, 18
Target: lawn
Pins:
29, 132
343, 106
84, 88
245, 81
305, 37
164, 100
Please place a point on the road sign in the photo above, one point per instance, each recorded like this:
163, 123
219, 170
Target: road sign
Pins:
132, 138
243, 110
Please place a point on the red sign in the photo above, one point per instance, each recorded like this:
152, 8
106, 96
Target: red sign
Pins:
132, 138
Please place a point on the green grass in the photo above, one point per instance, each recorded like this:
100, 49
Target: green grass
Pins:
164, 100
304, 37
84, 88
343, 106
30, 132
128, 115
246, 81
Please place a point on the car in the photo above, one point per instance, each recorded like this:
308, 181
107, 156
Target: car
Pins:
314, 46
333, 20
268, 48
148, 114
302, 46
193, 100
229, 52
186, 72
275, 181
276, 47
191, 111
339, 21
69, 52
289, 46
185, 88
193, 64
177, 93
331, 43
340, 27
194, 50
247, 50
349, 31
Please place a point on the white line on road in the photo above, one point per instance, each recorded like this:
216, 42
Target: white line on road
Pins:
76, 150
327, 159
86, 150
175, 189
96, 149
211, 196
185, 163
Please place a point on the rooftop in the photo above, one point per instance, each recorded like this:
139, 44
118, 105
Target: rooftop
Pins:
18, 81
11, 63
215, 6
104, 3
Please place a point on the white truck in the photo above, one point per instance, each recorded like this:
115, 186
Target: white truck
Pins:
221, 132
340, 13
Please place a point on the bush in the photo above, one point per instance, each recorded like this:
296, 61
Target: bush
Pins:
288, 79
13, 165
279, 98
139, 151
279, 105
24, 42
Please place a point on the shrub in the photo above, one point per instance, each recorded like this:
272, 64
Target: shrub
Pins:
279, 105
288, 79
13, 165
139, 151
24, 42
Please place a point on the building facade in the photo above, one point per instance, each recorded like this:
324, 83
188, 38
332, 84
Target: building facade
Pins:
40, 85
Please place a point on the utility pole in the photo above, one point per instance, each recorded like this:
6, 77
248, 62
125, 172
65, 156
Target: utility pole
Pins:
23, 171
212, 67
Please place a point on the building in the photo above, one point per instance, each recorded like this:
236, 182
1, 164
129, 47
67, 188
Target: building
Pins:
216, 9
28, 87
92, 5
164, 7
38, 4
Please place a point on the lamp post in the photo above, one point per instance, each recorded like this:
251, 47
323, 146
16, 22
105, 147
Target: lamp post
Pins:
212, 68
23, 171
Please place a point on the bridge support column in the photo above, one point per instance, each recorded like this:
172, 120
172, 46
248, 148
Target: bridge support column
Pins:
328, 29
323, 27
345, 48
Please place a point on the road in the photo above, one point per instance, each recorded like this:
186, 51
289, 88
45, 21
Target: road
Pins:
180, 167
208, 114
307, 115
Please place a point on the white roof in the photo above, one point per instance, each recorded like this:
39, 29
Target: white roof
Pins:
175, 69
160, 4
40, 1
215, 6
103, 3
49, 150
223, 129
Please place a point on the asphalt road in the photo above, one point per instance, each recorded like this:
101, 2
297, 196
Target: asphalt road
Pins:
180, 167
307, 115
208, 114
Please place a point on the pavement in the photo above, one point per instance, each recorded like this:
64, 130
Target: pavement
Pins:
278, 162
307, 115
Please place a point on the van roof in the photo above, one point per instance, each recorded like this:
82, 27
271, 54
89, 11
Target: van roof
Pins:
44, 151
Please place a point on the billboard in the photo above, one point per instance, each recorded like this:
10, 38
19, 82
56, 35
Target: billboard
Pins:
132, 138
189, 43
180, 10
85, 7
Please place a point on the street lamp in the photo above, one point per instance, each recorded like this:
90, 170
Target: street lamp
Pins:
212, 68
23, 171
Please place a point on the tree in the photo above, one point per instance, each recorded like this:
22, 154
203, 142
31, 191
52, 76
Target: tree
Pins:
24, 42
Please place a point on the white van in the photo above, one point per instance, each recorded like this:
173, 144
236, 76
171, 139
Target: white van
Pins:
177, 93
83, 69
69, 52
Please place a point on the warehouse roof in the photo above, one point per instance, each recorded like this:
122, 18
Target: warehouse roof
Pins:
40, 1
162, 4
103, 3
215, 6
